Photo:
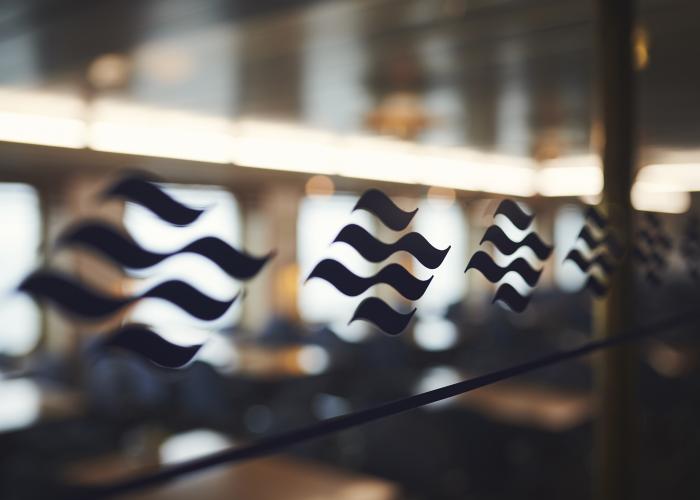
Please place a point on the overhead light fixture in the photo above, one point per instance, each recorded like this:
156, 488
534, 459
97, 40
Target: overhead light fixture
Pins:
127, 128
282, 147
574, 176
42, 118
648, 198
671, 177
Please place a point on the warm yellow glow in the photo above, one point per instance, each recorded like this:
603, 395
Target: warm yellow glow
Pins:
576, 176
43, 118
292, 148
647, 197
641, 48
319, 185
109, 71
133, 129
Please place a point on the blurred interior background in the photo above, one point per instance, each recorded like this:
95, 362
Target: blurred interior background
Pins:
276, 116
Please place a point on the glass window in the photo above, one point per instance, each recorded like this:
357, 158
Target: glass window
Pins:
442, 224
567, 225
20, 219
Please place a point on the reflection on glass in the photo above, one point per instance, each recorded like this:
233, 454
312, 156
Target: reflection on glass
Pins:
20, 219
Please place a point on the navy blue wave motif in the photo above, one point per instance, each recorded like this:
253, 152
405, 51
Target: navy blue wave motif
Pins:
505, 245
511, 297
604, 252
138, 189
76, 299
379, 313
125, 252
596, 286
652, 248
585, 264
352, 285
512, 211
484, 263
141, 340
375, 250
596, 218
690, 247
609, 241
372, 309
380, 205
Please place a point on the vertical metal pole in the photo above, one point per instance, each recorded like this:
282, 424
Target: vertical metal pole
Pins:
616, 431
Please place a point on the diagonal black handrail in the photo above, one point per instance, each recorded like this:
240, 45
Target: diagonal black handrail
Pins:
276, 443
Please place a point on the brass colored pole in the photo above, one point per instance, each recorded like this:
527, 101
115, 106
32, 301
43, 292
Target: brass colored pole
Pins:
616, 429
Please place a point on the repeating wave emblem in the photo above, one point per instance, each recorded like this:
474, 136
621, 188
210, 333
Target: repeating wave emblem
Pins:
690, 247
484, 263
652, 248
381, 314
141, 340
81, 301
375, 250
599, 254
124, 251
139, 189
75, 298
372, 309
380, 205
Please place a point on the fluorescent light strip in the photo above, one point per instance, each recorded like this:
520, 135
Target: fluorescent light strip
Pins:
34, 117
131, 129
647, 198
672, 177
291, 148
573, 176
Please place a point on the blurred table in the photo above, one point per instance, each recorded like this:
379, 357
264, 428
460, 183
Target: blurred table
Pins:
531, 405
263, 479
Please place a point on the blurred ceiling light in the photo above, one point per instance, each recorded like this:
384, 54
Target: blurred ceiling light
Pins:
109, 71
647, 197
134, 129
379, 159
575, 176
43, 118
320, 185
165, 63
292, 148
282, 147
671, 177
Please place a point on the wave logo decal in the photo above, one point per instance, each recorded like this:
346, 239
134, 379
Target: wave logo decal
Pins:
84, 302
690, 247
484, 263
601, 255
652, 248
372, 309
